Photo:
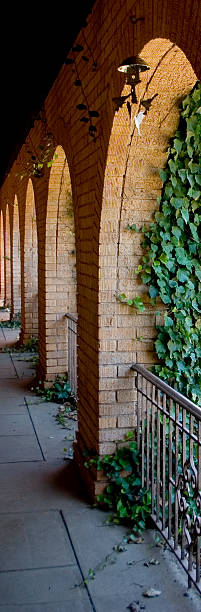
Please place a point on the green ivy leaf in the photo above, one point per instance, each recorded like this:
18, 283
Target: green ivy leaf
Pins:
163, 174
192, 193
185, 214
190, 150
198, 274
194, 232
138, 303
178, 144
182, 275
181, 256
160, 348
168, 321
195, 305
176, 231
172, 166
194, 167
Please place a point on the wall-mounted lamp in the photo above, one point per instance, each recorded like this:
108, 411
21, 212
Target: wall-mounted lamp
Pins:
131, 67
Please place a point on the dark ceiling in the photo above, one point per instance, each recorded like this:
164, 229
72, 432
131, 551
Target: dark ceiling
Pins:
34, 42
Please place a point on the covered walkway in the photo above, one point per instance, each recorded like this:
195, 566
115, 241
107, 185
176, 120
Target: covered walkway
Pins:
50, 538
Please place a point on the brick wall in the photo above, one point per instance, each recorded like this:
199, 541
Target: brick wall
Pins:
60, 263
15, 262
131, 188
114, 181
7, 259
2, 258
30, 326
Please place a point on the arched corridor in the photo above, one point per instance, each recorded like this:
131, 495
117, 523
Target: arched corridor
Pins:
82, 175
2, 258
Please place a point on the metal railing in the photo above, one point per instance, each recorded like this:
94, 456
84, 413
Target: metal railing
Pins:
72, 351
169, 438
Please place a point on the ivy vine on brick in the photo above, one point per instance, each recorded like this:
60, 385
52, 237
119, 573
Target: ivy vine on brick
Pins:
171, 265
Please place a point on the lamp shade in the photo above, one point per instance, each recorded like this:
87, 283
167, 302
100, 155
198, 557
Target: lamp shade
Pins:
134, 63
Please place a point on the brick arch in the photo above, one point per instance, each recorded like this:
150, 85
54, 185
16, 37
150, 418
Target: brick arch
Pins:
15, 261
60, 265
30, 290
131, 187
7, 258
178, 23
2, 260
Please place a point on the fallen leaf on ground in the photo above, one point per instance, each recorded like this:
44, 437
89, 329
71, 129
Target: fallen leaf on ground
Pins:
138, 540
151, 562
131, 538
134, 606
119, 548
151, 593
131, 562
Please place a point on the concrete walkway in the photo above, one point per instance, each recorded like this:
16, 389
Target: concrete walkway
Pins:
50, 538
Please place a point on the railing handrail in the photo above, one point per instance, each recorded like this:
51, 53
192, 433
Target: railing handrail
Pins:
72, 317
172, 393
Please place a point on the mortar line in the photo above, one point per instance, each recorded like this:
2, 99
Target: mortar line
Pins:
77, 561
37, 438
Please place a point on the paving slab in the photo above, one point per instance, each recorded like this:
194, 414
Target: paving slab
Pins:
34, 539
42, 485
48, 530
7, 369
44, 586
56, 441
19, 448
15, 424
8, 337
10, 405
16, 387
11, 334
122, 577
80, 604
24, 366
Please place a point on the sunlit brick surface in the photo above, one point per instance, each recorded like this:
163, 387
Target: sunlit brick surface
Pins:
114, 182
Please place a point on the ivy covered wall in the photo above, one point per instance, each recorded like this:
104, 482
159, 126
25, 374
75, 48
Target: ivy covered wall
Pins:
171, 265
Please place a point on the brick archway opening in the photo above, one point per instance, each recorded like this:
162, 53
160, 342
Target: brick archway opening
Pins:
16, 262
131, 187
2, 259
7, 259
61, 286
30, 305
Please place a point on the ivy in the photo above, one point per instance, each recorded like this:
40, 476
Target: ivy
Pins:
171, 266
59, 392
129, 502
